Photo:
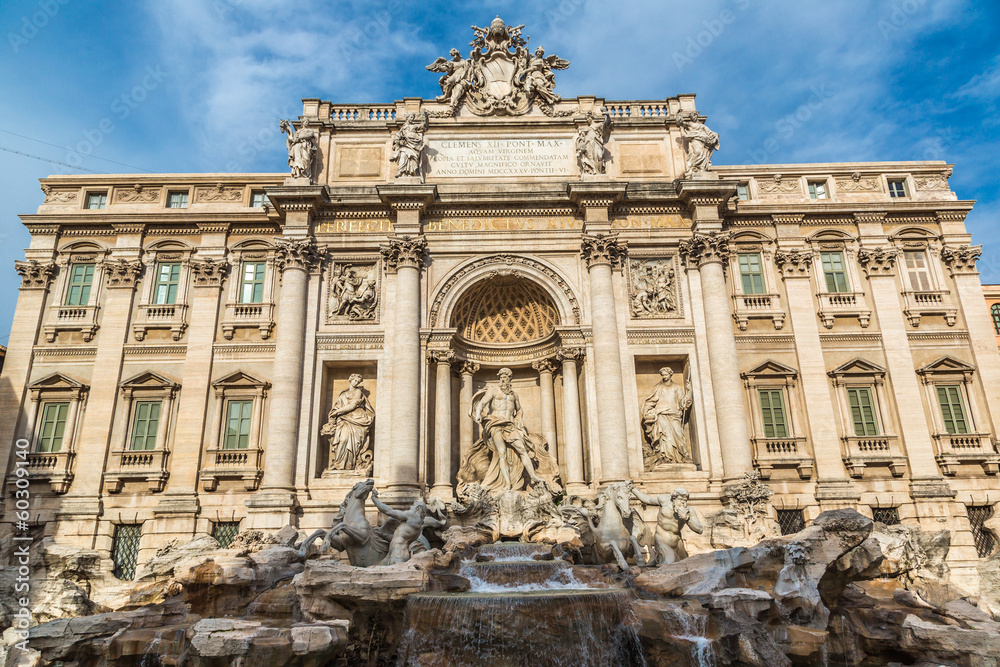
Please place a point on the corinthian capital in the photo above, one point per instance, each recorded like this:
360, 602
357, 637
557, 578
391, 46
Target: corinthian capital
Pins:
209, 272
35, 274
704, 249
603, 249
301, 254
404, 251
544, 366
961, 259
441, 356
793, 263
122, 273
570, 354
878, 261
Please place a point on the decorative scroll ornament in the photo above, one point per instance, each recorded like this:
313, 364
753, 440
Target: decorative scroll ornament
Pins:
59, 196
220, 193
297, 254
603, 249
138, 194
570, 354
652, 291
961, 259
301, 149
857, 184
500, 77
404, 251
122, 273
35, 274
209, 272
793, 263
778, 185
703, 249
878, 261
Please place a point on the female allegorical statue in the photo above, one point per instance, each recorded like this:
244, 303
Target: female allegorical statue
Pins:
349, 424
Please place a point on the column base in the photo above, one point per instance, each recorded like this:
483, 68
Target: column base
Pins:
833, 494
272, 509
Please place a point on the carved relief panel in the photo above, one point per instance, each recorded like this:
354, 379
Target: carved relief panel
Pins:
652, 288
353, 289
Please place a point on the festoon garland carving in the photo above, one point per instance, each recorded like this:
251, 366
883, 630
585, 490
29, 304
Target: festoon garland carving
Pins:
793, 263
404, 251
961, 259
703, 249
878, 261
35, 274
301, 254
122, 273
209, 272
599, 249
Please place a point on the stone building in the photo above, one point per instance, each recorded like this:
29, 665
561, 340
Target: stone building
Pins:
180, 340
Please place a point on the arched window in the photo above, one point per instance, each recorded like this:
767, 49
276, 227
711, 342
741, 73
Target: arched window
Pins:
995, 312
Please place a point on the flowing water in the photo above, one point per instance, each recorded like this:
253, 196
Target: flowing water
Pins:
522, 612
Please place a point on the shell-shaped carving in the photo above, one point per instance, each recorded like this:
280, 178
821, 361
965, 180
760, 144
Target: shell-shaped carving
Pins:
505, 309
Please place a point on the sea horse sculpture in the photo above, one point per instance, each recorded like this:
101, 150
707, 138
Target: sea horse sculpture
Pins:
365, 545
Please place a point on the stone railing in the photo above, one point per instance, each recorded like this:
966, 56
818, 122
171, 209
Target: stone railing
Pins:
757, 306
861, 451
359, 113
955, 449
936, 302
248, 315
843, 304
170, 316
638, 109
241, 464
149, 466
52, 467
72, 318
770, 453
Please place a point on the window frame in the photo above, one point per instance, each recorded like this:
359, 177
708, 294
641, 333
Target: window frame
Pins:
875, 419
131, 560
40, 435
86, 286
995, 315
171, 281
952, 398
743, 191
771, 409
237, 386
265, 202
184, 201
148, 419
254, 283
901, 182
745, 274
842, 272
102, 202
246, 417
818, 189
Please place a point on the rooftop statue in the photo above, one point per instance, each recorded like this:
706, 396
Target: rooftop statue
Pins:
408, 145
301, 149
700, 142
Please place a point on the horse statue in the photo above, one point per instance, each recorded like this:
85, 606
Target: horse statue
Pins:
610, 528
351, 532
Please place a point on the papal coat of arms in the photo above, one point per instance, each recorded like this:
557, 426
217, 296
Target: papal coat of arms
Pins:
500, 76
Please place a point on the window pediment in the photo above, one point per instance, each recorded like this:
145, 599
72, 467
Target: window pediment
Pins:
858, 368
771, 369
56, 381
946, 365
240, 379
149, 380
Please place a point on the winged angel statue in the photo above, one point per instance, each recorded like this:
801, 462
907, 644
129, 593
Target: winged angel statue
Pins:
500, 76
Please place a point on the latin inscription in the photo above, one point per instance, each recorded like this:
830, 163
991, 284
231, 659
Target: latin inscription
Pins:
477, 158
498, 224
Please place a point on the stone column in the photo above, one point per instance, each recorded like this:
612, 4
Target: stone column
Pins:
465, 423
545, 369
572, 434
602, 252
442, 424
709, 253
403, 256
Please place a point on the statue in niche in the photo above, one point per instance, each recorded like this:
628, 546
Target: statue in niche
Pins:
700, 142
673, 515
301, 149
652, 292
664, 421
506, 452
408, 145
349, 426
455, 79
590, 144
406, 538
538, 77
354, 292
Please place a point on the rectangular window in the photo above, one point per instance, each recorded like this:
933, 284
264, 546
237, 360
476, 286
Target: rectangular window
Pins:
817, 190
751, 273
862, 411
96, 200
952, 409
897, 188
168, 277
252, 290
52, 428
145, 423
916, 269
983, 538
743, 191
177, 200
125, 550
790, 521
772, 412
258, 199
995, 314
237, 425
225, 532
835, 272
81, 277
887, 515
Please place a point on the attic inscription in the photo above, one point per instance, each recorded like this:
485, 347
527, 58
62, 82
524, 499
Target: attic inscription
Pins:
458, 158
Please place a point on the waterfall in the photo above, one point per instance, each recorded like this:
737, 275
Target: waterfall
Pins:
691, 628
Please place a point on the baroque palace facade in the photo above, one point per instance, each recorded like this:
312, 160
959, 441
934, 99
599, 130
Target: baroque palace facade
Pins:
195, 351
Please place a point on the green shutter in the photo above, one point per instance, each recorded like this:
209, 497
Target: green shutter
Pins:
862, 411
751, 273
238, 425
772, 410
952, 409
834, 272
53, 427
145, 424
81, 277
168, 277
252, 290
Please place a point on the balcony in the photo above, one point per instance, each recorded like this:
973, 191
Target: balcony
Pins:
56, 468
169, 316
862, 452
843, 304
770, 453
921, 304
71, 318
757, 306
243, 464
149, 466
955, 449
248, 316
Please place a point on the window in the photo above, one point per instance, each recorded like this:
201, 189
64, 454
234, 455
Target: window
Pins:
125, 550
252, 290
258, 199
887, 515
225, 532
916, 269
985, 539
53, 427
862, 411
96, 200
772, 412
751, 273
145, 424
177, 200
897, 188
835, 272
790, 521
995, 314
952, 409
743, 191
81, 277
817, 190
237, 425
168, 277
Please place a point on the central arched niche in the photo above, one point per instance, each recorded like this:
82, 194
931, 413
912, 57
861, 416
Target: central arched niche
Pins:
505, 310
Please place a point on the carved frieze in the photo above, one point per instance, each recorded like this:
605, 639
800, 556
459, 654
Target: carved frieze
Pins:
857, 183
961, 259
35, 274
137, 194
935, 182
53, 196
209, 272
219, 193
353, 291
878, 261
793, 263
777, 185
301, 254
704, 248
122, 273
404, 251
652, 288
599, 249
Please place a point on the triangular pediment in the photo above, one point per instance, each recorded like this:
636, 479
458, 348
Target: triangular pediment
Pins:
858, 366
56, 381
771, 368
148, 379
240, 379
946, 364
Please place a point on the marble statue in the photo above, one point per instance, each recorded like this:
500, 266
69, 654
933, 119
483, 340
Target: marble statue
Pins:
411, 524
664, 420
538, 77
590, 144
301, 149
699, 142
348, 427
408, 145
673, 516
365, 545
506, 452
652, 290
354, 292
455, 79
609, 529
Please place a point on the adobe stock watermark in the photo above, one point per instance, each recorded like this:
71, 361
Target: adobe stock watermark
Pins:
563, 11
697, 43
899, 15
21, 560
786, 127
31, 24
260, 141
122, 107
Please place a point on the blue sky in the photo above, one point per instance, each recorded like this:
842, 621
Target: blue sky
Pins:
199, 85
